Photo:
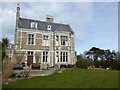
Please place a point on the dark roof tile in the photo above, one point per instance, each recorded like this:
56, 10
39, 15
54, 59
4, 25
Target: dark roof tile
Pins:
42, 25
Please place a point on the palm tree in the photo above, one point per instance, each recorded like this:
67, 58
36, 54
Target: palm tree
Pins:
5, 43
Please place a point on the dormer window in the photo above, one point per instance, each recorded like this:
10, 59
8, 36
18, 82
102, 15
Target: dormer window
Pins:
34, 25
49, 27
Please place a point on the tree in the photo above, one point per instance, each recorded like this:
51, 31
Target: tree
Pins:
82, 63
114, 64
103, 58
6, 63
97, 63
102, 64
5, 43
97, 52
118, 61
108, 63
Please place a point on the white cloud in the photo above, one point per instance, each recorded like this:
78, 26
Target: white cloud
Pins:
62, 12
8, 24
60, 0
79, 15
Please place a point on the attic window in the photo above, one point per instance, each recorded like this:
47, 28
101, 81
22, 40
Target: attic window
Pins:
34, 25
49, 27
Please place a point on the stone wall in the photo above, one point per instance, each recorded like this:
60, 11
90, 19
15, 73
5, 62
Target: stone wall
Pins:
38, 57
19, 55
38, 46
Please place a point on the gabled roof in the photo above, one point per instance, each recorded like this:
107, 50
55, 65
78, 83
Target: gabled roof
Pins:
42, 25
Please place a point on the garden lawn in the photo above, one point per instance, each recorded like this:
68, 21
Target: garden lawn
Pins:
71, 78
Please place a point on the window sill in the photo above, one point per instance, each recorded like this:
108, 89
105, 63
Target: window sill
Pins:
30, 44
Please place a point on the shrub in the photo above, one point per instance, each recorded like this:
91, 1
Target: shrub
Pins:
7, 68
82, 63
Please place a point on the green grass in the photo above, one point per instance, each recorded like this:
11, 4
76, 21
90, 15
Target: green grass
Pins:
71, 78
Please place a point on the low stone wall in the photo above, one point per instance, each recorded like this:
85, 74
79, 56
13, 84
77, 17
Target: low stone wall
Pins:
31, 73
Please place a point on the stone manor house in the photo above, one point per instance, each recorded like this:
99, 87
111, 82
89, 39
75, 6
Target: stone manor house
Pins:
43, 42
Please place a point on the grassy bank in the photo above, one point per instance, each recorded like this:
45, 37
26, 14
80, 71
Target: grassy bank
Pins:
71, 78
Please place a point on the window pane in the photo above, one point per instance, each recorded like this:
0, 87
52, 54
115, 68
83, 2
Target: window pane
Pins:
33, 41
60, 58
63, 58
43, 53
43, 58
46, 53
28, 52
34, 25
30, 38
46, 58
66, 56
31, 53
29, 35
57, 38
57, 56
61, 53
63, 42
45, 37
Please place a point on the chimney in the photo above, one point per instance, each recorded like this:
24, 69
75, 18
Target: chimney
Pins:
17, 15
18, 11
49, 18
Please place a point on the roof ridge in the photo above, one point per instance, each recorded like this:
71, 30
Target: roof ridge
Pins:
30, 19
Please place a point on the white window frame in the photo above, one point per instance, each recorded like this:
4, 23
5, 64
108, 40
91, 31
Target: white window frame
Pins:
64, 39
49, 27
63, 57
31, 53
57, 40
45, 37
31, 41
45, 40
34, 25
57, 55
46, 56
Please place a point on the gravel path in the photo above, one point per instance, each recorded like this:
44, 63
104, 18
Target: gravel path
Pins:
42, 72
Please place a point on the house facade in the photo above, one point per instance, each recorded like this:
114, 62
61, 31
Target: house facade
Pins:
43, 42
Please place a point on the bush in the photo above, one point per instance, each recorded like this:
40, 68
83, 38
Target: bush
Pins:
7, 68
82, 63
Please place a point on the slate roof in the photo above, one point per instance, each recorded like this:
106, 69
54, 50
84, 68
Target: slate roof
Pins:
42, 25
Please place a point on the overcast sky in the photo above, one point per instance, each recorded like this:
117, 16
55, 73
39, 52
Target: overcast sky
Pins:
95, 23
